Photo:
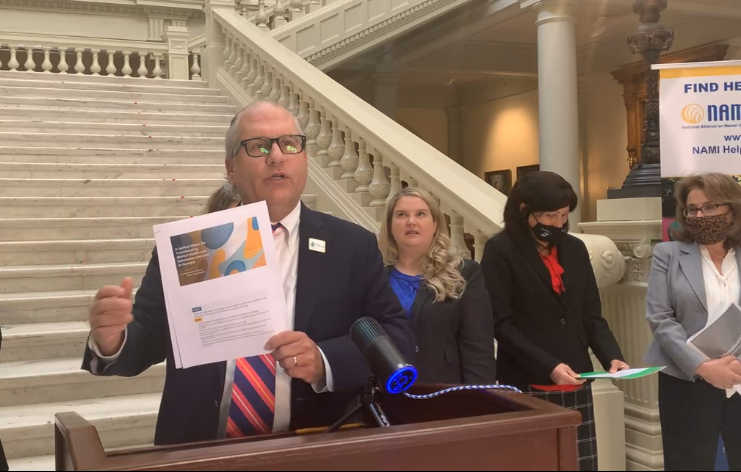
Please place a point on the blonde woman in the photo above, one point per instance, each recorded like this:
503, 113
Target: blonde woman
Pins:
222, 199
444, 295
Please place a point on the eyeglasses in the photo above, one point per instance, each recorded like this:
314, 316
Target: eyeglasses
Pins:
260, 147
709, 209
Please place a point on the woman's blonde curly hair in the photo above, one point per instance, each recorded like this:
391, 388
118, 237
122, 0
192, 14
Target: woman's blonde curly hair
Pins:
441, 264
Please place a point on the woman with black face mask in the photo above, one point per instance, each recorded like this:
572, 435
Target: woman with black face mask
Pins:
547, 311
693, 280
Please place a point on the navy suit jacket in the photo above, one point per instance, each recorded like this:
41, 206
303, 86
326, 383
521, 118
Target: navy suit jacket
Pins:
333, 290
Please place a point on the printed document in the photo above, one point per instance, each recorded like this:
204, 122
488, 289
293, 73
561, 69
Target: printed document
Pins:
222, 286
721, 338
622, 374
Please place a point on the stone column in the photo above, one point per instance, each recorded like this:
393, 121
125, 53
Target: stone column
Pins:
456, 128
177, 38
557, 90
386, 88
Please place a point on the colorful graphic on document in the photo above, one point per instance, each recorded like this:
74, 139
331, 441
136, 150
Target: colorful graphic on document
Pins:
218, 251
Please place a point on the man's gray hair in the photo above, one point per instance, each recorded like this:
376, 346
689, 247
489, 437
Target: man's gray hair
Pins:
231, 141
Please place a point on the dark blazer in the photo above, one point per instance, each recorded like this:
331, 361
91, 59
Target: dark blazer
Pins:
455, 337
536, 328
3, 460
334, 289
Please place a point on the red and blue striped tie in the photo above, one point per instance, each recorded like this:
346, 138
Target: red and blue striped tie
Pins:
252, 407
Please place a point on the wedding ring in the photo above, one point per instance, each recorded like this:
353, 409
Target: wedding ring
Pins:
295, 361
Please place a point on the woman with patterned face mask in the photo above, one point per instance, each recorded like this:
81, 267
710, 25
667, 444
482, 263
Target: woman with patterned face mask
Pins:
693, 280
547, 312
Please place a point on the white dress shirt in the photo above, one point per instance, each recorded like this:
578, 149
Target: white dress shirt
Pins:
287, 248
721, 289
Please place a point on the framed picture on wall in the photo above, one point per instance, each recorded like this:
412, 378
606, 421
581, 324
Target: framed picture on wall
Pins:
522, 170
500, 180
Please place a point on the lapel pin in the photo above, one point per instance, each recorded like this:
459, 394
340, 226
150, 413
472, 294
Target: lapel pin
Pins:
317, 245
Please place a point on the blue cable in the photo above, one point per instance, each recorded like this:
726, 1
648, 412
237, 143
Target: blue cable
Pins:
462, 387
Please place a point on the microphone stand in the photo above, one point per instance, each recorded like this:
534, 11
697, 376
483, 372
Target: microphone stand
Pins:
369, 399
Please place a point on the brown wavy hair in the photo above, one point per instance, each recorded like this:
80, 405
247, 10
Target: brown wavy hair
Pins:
719, 188
441, 264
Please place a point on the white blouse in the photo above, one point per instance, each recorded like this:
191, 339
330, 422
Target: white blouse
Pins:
721, 288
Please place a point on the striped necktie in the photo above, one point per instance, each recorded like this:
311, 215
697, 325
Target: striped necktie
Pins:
252, 408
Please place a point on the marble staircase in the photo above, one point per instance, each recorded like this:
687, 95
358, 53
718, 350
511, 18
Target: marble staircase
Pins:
87, 166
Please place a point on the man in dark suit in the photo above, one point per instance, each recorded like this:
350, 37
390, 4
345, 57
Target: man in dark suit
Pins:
332, 275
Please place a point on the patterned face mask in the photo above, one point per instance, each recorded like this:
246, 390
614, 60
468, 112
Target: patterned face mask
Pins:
708, 230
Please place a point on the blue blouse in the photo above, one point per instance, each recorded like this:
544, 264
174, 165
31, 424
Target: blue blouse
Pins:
406, 288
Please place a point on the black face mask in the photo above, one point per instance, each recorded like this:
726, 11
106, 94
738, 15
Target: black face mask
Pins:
550, 234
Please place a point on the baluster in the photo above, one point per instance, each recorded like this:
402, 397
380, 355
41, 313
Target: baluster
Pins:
234, 59
95, 68
364, 171
305, 6
349, 161
262, 17
312, 131
379, 186
250, 79
337, 148
286, 99
259, 82
79, 65
456, 235
303, 110
267, 86
110, 68
62, 67
30, 65
236, 68
142, 70
324, 140
226, 54
195, 69
13, 64
411, 181
127, 70
314, 5
46, 65
244, 67
480, 240
280, 14
1, 60
297, 10
275, 92
395, 179
157, 71
244, 83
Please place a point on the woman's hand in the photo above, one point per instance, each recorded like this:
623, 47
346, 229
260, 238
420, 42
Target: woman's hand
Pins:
617, 366
563, 375
721, 373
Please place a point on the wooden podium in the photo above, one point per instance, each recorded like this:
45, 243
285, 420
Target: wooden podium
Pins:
464, 430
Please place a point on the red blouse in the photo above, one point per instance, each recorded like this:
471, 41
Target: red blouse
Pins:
555, 269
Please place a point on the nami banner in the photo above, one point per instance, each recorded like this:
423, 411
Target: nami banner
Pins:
700, 107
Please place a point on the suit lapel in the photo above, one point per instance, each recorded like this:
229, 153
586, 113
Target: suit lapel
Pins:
424, 297
691, 263
530, 254
310, 263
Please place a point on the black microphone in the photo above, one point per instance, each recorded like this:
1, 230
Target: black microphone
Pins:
386, 362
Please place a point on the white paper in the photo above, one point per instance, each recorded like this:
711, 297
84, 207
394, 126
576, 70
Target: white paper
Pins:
623, 373
222, 286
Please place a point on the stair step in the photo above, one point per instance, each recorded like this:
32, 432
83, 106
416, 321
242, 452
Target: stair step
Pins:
42, 229
104, 105
108, 187
29, 342
85, 251
214, 155
46, 307
31, 125
18, 279
121, 421
109, 171
62, 380
105, 81
75, 139
115, 116
106, 94
33, 464
69, 207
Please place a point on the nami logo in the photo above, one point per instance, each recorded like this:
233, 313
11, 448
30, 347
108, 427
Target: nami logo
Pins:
693, 113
